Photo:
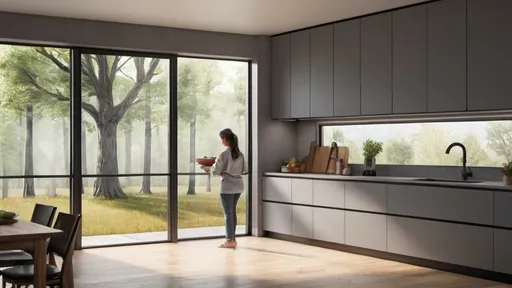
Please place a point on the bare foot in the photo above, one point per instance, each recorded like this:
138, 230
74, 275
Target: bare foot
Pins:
228, 244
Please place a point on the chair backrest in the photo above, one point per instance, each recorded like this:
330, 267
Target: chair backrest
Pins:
43, 214
64, 244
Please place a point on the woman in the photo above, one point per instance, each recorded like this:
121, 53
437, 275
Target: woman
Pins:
230, 166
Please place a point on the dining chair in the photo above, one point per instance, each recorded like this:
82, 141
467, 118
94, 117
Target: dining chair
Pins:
42, 215
63, 246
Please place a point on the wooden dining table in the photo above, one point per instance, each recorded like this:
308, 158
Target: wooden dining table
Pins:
24, 235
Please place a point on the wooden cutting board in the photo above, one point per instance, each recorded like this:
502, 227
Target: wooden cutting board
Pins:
321, 161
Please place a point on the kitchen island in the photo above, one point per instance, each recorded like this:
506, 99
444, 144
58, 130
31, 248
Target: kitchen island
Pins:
455, 226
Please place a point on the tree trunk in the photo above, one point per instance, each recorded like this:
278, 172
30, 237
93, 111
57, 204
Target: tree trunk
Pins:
85, 181
20, 130
28, 187
5, 181
128, 154
209, 183
108, 187
65, 144
192, 177
146, 180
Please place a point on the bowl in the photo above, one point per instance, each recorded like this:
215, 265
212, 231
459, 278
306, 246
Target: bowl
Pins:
208, 161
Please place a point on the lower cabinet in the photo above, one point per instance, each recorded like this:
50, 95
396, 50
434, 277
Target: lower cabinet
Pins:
302, 221
329, 225
277, 218
503, 251
445, 242
365, 230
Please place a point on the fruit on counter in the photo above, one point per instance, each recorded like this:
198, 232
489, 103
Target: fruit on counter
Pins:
291, 163
6, 214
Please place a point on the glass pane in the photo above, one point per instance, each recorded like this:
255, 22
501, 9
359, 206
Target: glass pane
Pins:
487, 142
125, 122
212, 95
49, 191
141, 217
34, 111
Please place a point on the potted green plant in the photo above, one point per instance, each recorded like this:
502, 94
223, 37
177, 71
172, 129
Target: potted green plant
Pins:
507, 173
371, 149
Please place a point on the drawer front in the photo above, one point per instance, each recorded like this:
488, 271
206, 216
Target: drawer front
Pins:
329, 193
302, 191
277, 189
445, 242
503, 251
277, 218
365, 196
472, 206
503, 209
302, 221
329, 225
365, 230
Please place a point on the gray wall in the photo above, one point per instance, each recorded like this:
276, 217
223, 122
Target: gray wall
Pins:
272, 141
306, 133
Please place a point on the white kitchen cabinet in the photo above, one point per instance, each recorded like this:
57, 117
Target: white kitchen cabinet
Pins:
452, 243
329, 193
302, 191
302, 221
365, 230
277, 218
277, 189
365, 196
329, 225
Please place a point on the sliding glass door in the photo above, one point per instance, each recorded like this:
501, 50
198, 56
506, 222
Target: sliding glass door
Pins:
212, 95
114, 135
125, 148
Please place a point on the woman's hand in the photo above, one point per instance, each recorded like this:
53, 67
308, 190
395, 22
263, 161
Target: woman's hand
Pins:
205, 168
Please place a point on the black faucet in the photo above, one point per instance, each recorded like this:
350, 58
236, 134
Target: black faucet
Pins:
466, 171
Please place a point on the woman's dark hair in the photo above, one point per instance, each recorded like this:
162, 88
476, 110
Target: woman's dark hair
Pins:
232, 141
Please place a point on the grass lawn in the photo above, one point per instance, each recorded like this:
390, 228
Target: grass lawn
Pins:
136, 214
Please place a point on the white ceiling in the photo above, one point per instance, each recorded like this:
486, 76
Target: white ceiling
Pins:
255, 17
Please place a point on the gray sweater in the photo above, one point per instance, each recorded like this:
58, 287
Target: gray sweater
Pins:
231, 171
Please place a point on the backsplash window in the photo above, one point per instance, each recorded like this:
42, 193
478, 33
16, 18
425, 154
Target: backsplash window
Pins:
488, 143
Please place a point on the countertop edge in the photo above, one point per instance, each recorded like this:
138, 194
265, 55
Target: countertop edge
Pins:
485, 185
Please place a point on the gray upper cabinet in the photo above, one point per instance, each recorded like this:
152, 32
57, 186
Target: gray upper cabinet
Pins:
489, 55
322, 71
410, 60
300, 75
446, 56
281, 87
376, 64
347, 68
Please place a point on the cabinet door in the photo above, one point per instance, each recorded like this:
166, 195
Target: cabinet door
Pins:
322, 71
347, 68
281, 77
503, 209
329, 225
365, 230
446, 56
300, 75
410, 60
503, 251
489, 47
302, 221
329, 193
464, 205
302, 191
365, 196
277, 189
446, 242
376, 71
277, 218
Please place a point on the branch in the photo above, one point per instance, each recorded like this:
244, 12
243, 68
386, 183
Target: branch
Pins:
128, 76
56, 61
89, 108
113, 69
57, 95
88, 70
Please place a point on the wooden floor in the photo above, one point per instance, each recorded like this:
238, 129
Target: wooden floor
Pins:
257, 262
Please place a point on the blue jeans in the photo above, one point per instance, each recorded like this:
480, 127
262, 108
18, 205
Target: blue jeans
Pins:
229, 202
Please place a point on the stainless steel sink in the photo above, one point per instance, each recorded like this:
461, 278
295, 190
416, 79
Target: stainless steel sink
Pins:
447, 180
